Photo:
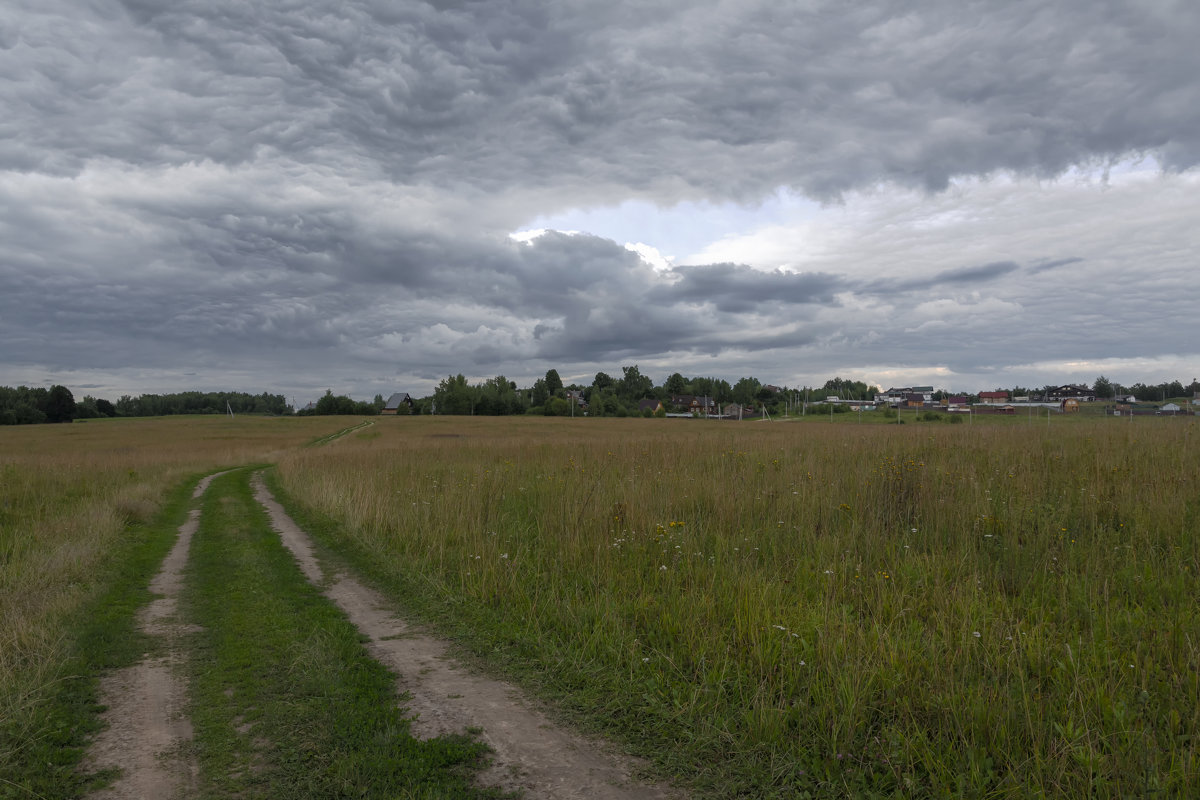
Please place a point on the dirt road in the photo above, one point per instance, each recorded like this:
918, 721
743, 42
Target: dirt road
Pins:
147, 732
145, 725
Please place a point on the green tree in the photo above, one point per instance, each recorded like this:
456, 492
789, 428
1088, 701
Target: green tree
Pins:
554, 384
634, 385
454, 396
745, 390
540, 393
1103, 388
60, 405
676, 384
557, 407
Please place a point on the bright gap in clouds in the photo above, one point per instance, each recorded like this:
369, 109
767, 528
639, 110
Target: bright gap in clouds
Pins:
674, 234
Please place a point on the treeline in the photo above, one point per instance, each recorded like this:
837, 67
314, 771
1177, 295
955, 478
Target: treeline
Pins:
332, 404
609, 396
28, 406
1106, 389
161, 405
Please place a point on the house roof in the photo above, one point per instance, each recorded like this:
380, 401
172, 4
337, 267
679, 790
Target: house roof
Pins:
994, 395
395, 400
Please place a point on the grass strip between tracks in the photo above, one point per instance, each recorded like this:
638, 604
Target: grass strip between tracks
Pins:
286, 701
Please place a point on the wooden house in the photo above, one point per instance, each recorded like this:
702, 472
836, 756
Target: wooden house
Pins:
398, 401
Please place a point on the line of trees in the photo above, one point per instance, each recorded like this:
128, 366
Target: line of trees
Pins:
1106, 389
610, 396
339, 404
25, 406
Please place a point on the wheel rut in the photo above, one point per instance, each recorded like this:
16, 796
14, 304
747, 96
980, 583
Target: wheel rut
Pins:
145, 728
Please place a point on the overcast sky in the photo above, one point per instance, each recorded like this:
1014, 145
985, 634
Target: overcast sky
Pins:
368, 195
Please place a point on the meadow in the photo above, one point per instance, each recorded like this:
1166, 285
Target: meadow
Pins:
807, 610
81, 531
816, 609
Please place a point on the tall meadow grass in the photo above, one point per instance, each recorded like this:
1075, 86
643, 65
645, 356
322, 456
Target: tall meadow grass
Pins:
775, 608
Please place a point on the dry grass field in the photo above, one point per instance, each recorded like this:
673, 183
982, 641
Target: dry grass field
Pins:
993, 610
763, 609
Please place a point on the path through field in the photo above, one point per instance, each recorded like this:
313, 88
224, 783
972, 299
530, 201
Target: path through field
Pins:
147, 733
532, 753
146, 729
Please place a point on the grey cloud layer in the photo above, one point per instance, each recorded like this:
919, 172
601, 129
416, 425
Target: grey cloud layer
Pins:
291, 187
670, 101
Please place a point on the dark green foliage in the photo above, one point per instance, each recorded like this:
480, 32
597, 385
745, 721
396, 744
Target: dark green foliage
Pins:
60, 405
746, 390
847, 389
634, 385
557, 407
332, 404
31, 406
554, 383
158, 405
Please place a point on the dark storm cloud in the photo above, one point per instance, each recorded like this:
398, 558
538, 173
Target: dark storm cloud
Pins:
734, 288
1046, 266
958, 276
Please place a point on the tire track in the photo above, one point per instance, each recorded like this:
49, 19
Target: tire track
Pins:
146, 729
532, 753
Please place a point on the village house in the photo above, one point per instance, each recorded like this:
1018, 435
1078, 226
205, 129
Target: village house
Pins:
993, 398
904, 395
1070, 390
393, 404
694, 404
649, 404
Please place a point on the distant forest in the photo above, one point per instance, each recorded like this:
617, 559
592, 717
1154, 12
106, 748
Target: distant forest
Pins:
606, 395
26, 406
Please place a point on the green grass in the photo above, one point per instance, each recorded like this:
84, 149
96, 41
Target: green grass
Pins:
974, 610
286, 702
51, 704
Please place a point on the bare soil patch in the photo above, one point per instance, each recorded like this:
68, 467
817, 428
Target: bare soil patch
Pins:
532, 752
